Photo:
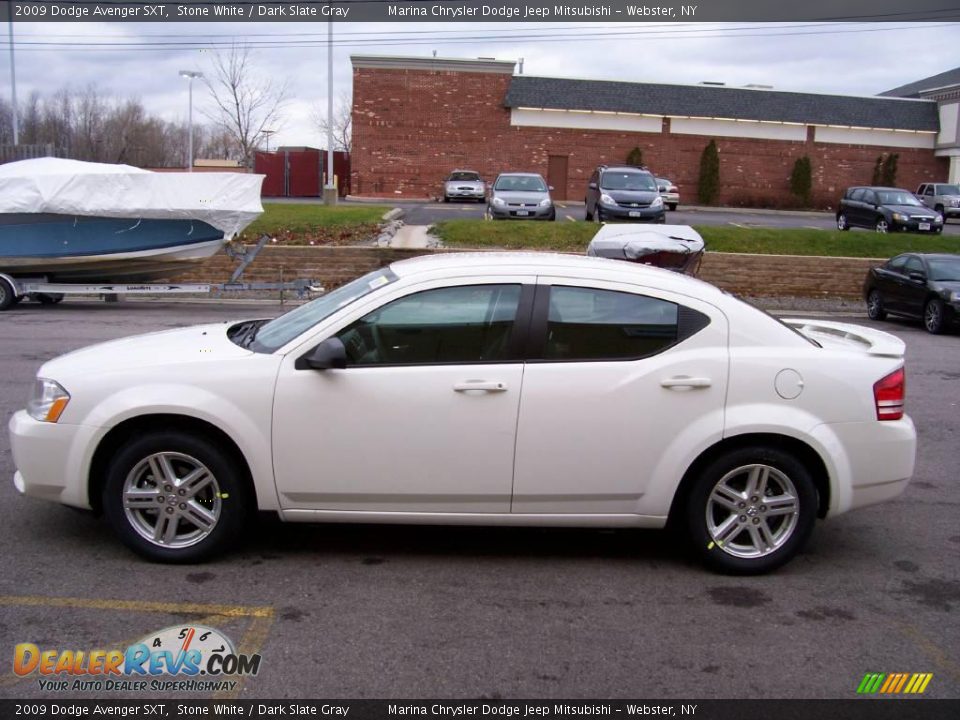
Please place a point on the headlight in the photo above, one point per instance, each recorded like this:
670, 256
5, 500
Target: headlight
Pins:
545, 202
900, 217
48, 402
938, 219
657, 202
498, 202
955, 202
607, 200
955, 297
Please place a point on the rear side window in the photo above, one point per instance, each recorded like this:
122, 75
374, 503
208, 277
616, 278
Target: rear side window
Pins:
856, 194
592, 324
897, 263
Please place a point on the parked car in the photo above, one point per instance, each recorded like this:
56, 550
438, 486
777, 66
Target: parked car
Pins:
915, 285
623, 193
482, 388
521, 195
886, 210
464, 185
944, 198
669, 192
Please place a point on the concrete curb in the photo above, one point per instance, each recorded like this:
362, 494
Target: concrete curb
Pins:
394, 214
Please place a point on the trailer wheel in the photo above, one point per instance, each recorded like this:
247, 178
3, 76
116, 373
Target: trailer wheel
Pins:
7, 296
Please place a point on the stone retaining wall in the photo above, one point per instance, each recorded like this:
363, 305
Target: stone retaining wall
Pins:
749, 275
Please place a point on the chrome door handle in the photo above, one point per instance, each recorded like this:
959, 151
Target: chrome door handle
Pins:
481, 385
685, 382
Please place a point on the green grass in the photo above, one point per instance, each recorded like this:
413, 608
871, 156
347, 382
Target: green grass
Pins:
300, 219
573, 237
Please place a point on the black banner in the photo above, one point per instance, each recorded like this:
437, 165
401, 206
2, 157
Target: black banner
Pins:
858, 709
485, 11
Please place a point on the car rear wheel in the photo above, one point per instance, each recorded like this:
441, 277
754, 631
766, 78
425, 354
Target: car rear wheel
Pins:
751, 510
842, 223
175, 498
882, 226
939, 209
933, 316
875, 309
7, 296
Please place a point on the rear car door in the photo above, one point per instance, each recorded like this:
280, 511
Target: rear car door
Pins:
890, 283
622, 387
914, 291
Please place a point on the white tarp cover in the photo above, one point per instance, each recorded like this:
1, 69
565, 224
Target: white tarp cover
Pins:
633, 242
227, 201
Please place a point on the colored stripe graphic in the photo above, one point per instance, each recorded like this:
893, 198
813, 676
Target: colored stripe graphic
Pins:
894, 683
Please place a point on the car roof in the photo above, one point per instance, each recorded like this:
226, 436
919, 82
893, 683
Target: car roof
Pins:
545, 263
464, 170
520, 174
621, 168
877, 187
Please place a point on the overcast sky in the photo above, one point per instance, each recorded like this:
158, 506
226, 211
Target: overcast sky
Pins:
855, 59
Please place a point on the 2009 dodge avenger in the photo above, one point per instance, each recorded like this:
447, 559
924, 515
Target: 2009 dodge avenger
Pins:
496, 388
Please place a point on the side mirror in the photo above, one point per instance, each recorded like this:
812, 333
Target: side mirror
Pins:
328, 355
592, 186
549, 187
918, 276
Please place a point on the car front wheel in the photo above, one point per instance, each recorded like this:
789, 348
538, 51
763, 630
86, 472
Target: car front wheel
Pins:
751, 510
875, 309
933, 316
173, 497
842, 223
882, 225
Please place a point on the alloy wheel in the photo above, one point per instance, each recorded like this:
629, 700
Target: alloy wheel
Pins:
752, 511
882, 226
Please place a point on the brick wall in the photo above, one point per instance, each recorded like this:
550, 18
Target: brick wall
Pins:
749, 275
411, 127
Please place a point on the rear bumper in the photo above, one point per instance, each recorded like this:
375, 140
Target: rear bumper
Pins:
873, 461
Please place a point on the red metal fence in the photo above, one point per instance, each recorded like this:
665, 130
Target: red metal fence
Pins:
301, 172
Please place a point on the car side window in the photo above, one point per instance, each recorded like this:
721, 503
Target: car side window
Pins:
857, 195
913, 265
462, 324
896, 265
869, 197
928, 190
593, 324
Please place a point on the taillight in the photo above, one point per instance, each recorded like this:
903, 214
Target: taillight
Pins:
888, 394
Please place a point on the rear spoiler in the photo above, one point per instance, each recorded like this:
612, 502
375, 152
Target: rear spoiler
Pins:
849, 336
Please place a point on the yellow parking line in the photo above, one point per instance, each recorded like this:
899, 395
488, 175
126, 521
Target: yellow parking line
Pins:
250, 644
561, 205
571, 218
934, 651
138, 606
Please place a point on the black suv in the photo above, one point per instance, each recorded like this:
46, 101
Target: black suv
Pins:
886, 209
623, 192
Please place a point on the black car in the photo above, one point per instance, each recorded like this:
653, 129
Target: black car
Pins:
886, 209
924, 286
623, 192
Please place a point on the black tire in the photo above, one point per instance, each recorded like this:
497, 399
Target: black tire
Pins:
226, 498
672, 206
842, 223
939, 209
933, 319
875, 310
446, 199
598, 216
7, 296
587, 215
882, 225
786, 476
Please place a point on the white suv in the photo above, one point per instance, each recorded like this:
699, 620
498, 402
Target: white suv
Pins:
942, 197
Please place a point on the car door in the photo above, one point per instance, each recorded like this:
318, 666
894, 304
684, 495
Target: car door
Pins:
422, 418
853, 206
914, 290
889, 283
623, 387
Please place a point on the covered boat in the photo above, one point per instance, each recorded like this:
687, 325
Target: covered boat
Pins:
72, 221
674, 247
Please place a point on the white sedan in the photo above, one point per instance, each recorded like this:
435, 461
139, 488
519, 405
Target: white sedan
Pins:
495, 388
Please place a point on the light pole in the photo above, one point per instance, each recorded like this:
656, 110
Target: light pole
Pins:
191, 75
13, 83
330, 190
266, 134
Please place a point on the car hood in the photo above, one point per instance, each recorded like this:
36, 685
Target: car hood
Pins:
516, 196
200, 343
910, 209
637, 196
946, 285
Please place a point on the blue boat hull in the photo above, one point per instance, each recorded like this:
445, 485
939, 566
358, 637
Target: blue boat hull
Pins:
69, 249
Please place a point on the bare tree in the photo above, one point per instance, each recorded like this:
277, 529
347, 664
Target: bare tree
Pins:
342, 121
244, 104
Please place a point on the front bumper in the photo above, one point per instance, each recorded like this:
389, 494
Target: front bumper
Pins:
873, 461
465, 194
51, 459
525, 213
617, 212
914, 226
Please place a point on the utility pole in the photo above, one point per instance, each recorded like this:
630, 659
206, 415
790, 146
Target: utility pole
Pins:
13, 82
329, 189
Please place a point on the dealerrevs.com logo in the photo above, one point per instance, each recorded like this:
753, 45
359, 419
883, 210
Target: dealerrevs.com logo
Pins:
178, 658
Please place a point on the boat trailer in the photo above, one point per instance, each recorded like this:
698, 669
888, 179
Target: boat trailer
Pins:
15, 289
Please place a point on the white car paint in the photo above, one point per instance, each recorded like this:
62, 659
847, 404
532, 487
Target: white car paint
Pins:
599, 443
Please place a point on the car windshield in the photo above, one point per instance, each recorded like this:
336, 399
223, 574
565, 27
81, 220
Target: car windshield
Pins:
897, 197
277, 333
627, 181
948, 189
521, 183
944, 269
463, 176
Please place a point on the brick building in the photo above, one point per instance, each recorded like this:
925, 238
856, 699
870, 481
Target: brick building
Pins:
415, 119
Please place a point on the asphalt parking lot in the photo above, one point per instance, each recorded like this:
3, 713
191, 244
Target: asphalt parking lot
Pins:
407, 612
